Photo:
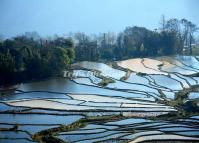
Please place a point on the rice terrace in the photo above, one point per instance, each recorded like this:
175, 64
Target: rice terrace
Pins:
133, 86
154, 105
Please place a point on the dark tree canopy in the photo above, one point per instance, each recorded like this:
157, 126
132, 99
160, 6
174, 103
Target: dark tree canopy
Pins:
33, 59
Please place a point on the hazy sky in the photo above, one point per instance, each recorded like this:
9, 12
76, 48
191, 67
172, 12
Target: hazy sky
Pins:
48, 17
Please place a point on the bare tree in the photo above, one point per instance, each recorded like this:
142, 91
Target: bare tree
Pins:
162, 23
173, 25
188, 33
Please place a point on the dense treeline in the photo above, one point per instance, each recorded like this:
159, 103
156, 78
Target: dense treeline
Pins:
173, 37
24, 58
30, 57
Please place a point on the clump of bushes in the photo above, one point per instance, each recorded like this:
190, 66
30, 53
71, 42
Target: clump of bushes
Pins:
160, 65
141, 74
106, 81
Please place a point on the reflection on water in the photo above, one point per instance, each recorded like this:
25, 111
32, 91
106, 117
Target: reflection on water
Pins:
37, 119
65, 85
105, 69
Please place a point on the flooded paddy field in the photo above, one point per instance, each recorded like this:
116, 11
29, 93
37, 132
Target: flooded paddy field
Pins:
130, 101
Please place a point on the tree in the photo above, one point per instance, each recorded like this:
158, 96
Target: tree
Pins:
162, 23
63, 42
71, 54
107, 45
188, 33
86, 49
192, 29
173, 25
58, 58
168, 42
131, 40
37, 68
142, 49
7, 68
7, 63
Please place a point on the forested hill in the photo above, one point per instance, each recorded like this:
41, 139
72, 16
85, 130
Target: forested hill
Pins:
30, 57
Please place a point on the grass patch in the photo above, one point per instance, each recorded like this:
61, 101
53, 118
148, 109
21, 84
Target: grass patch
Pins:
185, 107
106, 118
49, 135
127, 75
105, 81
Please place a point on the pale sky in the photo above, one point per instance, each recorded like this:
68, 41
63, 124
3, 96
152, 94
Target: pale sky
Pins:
49, 17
